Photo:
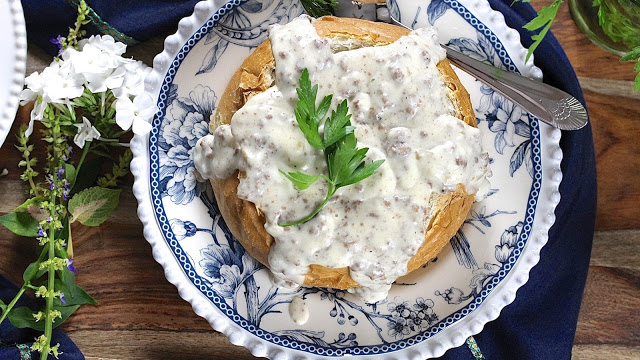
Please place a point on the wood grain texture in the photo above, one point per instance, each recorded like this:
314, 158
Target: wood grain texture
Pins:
141, 315
615, 116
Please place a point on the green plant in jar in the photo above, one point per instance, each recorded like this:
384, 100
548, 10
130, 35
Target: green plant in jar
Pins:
620, 20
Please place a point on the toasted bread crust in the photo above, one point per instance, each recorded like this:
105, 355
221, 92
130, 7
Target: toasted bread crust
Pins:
256, 74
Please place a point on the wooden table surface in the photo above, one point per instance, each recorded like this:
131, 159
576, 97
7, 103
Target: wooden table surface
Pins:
141, 316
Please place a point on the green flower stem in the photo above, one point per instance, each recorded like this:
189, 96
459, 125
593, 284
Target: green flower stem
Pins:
32, 185
332, 190
56, 154
12, 303
48, 326
69, 240
102, 103
25, 286
85, 151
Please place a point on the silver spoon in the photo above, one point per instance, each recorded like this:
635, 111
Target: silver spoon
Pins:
549, 104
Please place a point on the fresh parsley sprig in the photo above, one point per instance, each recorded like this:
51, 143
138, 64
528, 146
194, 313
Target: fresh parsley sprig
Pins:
345, 161
317, 8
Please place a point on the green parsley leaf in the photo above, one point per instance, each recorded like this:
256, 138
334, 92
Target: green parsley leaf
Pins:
345, 161
300, 180
307, 116
363, 172
317, 8
545, 17
335, 128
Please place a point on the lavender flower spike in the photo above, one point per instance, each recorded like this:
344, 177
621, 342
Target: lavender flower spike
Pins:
70, 266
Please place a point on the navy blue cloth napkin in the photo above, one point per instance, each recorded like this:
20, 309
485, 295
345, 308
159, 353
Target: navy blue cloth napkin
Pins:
541, 322
14, 341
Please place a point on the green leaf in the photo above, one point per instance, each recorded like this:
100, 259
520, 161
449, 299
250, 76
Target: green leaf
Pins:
22, 317
33, 268
24, 207
70, 174
545, 17
313, 137
92, 206
363, 172
20, 223
323, 107
340, 158
73, 294
306, 114
634, 54
3, 307
338, 125
300, 180
317, 8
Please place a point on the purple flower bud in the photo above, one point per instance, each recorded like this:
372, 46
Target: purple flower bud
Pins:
70, 266
60, 173
58, 42
62, 299
51, 186
49, 220
40, 231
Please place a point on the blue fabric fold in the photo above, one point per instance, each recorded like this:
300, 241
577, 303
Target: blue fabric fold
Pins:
541, 322
11, 338
137, 19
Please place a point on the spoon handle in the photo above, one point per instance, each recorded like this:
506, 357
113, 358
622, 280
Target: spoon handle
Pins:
551, 105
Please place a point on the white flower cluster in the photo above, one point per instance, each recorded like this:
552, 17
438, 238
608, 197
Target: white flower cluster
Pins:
98, 66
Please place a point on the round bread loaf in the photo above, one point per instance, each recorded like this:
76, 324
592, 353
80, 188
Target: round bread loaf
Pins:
256, 74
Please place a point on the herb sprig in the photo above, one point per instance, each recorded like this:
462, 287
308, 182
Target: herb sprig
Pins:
345, 161
545, 17
317, 8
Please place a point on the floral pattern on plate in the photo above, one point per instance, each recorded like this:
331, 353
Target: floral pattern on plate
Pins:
423, 306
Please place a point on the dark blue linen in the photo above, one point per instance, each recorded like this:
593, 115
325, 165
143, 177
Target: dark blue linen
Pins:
541, 322
139, 19
10, 337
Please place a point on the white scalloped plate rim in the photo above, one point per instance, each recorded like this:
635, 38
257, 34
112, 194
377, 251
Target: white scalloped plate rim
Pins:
17, 64
456, 334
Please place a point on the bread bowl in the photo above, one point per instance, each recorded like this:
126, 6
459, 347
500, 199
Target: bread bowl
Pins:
263, 88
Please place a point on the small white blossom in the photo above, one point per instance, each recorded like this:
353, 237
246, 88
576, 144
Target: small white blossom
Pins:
56, 84
133, 84
86, 132
105, 43
64, 84
101, 82
137, 113
89, 61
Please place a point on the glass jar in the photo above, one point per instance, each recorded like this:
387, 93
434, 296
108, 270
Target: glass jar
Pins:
611, 24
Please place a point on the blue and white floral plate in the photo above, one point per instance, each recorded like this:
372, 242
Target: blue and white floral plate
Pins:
433, 309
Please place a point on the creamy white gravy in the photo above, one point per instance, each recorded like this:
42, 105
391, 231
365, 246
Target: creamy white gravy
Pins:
401, 113
298, 310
